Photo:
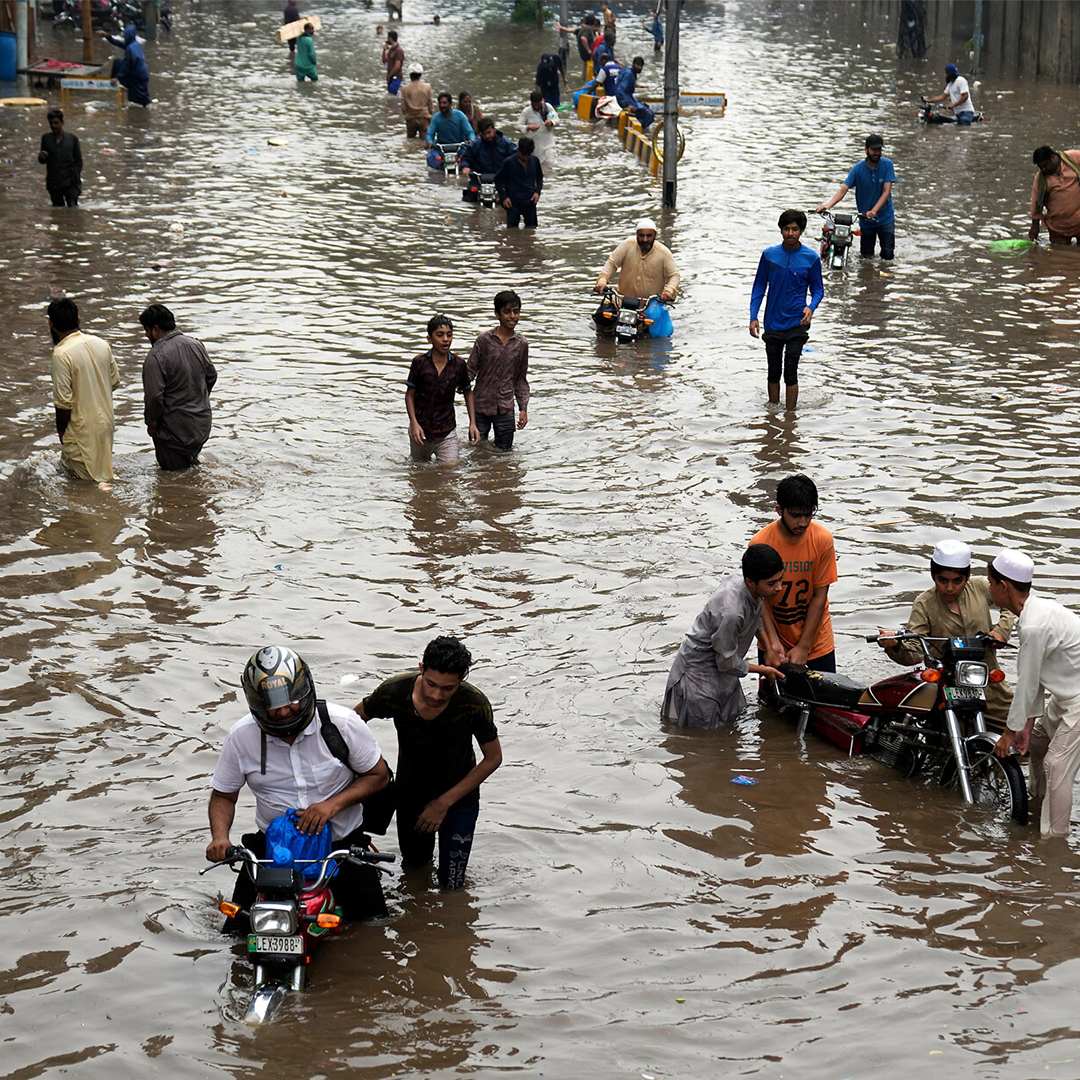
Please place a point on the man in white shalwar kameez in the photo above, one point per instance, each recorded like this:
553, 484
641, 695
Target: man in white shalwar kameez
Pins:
1045, 711
703, 688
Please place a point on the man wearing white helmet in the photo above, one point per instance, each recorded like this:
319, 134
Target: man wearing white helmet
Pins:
645, 267
1045, 713
957, 606
417, 105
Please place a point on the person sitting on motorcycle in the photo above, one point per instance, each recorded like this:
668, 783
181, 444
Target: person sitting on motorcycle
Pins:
626, 87
279, 751
956, 90
448, 125
703, 688
957, 606
644, 265
131, 71
484, 156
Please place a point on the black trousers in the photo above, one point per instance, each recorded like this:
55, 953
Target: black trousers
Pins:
173, 458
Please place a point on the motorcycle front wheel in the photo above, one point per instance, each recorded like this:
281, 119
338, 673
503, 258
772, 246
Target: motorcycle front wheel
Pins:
996, 783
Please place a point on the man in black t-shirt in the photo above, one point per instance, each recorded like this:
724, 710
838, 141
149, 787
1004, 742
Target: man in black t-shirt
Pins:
437, 715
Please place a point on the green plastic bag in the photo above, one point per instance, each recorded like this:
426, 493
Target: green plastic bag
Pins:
1010, 245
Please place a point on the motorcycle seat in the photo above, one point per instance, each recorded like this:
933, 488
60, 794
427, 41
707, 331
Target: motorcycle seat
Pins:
631, 303
823, 688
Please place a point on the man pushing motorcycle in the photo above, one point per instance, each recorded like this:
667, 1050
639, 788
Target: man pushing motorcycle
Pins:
644, 265
1045, 712
285, 757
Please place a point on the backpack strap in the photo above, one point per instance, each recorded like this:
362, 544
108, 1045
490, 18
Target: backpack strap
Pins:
333, 738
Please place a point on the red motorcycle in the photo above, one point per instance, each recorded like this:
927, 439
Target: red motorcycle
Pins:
928, 721
289, 917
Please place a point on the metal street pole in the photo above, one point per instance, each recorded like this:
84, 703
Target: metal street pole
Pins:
977, 39
564, 38
87, 33
671, 102
22, 46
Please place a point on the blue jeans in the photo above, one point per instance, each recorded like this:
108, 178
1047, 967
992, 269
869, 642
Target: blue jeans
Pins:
504, 424
455, 841
965, 118
885, 233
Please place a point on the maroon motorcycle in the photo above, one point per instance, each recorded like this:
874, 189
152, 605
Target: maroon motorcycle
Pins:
927, 721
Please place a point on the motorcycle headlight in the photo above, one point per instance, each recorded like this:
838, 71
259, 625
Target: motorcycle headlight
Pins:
273, 917
843, 232
971, 673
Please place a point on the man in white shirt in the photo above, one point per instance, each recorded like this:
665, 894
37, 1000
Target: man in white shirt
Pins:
958, 93
1048, 667
281, 753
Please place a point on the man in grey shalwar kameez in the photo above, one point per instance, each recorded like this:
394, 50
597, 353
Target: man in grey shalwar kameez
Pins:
703, 688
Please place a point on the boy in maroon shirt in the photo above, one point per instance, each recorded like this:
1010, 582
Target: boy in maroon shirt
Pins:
434, 378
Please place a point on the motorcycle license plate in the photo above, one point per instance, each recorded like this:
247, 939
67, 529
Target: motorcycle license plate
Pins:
275, 944
964, 693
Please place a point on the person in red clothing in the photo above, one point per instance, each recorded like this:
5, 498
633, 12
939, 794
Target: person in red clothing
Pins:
499, 366
796, 624
435, 377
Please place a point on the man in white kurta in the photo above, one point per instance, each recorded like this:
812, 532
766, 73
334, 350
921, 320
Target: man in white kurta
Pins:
703, 688
84, 375
1045, 712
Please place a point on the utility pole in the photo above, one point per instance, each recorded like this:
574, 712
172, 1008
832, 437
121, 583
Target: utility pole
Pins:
564, 39
22, 45
539, 14
671, 102
87, 33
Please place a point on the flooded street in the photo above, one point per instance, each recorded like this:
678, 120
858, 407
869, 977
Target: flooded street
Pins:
629, 911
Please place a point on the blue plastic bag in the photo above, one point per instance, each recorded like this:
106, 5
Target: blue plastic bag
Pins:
661, 319
393, 86
285, 844
434, 159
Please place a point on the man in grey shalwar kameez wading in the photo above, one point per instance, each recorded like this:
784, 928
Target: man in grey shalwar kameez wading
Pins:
703, 688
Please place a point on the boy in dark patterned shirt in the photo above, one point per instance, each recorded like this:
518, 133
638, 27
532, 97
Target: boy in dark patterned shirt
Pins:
434, 378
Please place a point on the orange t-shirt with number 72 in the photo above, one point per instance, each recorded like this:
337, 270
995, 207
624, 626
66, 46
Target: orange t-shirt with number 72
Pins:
809, 565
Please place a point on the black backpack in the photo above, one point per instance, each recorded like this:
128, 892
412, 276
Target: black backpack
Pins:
378, 808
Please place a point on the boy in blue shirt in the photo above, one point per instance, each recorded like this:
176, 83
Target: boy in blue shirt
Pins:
787, 271
872, 180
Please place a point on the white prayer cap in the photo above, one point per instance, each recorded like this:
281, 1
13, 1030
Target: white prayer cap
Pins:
954, 554
416, 69
1014, 565
647, 223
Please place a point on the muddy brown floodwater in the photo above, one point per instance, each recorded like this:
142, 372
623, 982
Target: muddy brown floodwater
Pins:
629, 912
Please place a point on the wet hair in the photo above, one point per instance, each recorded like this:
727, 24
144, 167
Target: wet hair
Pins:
391, 35
994, 576
308, 28
638, 60
761, 561
1042, 153
160, 316
484, 123
55, 114
874, 140
526, 145
463, 94
536, 95
792, 217
797, 493
447, 655
506, 298
439, 320
937, 568
445, 94
64, 315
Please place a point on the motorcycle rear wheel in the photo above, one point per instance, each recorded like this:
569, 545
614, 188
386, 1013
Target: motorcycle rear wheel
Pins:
996, 783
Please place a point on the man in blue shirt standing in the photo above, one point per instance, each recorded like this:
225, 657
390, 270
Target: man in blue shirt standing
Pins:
872, 180
787, 271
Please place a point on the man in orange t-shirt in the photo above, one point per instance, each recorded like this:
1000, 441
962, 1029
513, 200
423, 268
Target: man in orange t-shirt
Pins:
796, 624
